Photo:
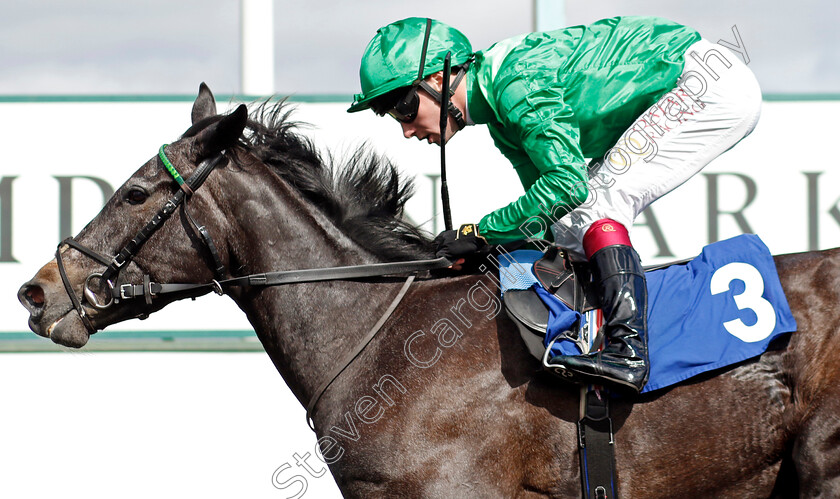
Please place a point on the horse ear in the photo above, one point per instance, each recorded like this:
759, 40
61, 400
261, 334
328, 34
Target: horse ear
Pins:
204, 105
222, 134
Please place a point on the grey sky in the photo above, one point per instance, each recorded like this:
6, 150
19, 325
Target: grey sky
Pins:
166, 47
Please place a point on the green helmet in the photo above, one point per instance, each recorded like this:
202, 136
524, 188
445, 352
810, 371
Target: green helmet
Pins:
392, 58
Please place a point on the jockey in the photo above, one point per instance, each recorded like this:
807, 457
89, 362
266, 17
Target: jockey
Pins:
648, 100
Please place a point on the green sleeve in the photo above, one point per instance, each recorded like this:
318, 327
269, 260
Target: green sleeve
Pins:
539, 135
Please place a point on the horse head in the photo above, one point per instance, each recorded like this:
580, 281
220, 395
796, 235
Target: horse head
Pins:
105, 255
269, 202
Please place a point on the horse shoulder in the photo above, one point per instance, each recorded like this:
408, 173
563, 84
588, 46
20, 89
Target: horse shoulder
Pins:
453, 383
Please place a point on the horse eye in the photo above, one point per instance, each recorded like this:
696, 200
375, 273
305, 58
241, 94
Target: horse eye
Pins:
136, 196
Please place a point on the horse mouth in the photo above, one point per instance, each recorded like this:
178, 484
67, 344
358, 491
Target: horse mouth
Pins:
67, 330
52, 326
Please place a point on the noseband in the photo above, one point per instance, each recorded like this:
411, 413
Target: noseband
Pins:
115, 264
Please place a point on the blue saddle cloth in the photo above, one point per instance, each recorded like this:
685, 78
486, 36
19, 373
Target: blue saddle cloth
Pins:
721, 308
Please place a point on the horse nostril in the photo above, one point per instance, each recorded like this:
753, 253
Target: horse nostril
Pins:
34, 295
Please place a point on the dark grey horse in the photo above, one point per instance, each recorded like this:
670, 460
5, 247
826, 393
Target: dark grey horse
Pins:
445, 401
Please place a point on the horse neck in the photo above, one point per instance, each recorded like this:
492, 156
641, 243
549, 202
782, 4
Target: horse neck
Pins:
305, 328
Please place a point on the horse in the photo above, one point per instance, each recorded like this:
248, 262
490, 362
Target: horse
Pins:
445, 400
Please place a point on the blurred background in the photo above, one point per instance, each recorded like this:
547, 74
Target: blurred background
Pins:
90, 89
58, 47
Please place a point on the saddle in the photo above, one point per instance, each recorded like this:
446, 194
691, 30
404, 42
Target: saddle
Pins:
568, 282
571, 283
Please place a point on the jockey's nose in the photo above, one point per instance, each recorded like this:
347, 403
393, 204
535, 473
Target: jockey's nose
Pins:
408, 130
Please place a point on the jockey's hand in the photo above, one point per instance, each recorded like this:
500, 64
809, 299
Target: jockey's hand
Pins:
454, 244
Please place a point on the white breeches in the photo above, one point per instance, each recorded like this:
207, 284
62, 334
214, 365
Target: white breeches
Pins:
716, 103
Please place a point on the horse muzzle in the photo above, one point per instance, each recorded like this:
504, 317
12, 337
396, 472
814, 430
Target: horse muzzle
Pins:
64, 328
68, 331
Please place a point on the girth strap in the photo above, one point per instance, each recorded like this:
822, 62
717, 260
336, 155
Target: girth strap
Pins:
597, 446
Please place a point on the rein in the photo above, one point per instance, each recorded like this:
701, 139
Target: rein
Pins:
276, 278
149, 289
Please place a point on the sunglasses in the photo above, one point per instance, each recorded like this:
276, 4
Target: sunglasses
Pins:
405, 108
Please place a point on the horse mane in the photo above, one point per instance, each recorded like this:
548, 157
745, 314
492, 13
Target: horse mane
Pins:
364, 195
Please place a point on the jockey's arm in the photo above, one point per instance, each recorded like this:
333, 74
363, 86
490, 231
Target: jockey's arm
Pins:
540, 137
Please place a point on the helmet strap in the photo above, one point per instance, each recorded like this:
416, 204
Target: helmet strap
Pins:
453, 111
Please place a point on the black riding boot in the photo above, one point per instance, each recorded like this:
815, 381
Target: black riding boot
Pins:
618, 273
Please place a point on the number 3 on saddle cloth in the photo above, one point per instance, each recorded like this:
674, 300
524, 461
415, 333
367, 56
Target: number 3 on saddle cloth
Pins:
720, 308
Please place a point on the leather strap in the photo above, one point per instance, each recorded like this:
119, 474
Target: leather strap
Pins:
310, 407
127, 291
104, 260
218, 267
597, 446
77, 304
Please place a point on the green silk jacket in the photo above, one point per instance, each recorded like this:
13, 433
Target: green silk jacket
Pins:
552, 99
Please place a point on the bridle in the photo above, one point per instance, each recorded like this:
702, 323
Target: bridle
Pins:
149, 289
115, 264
